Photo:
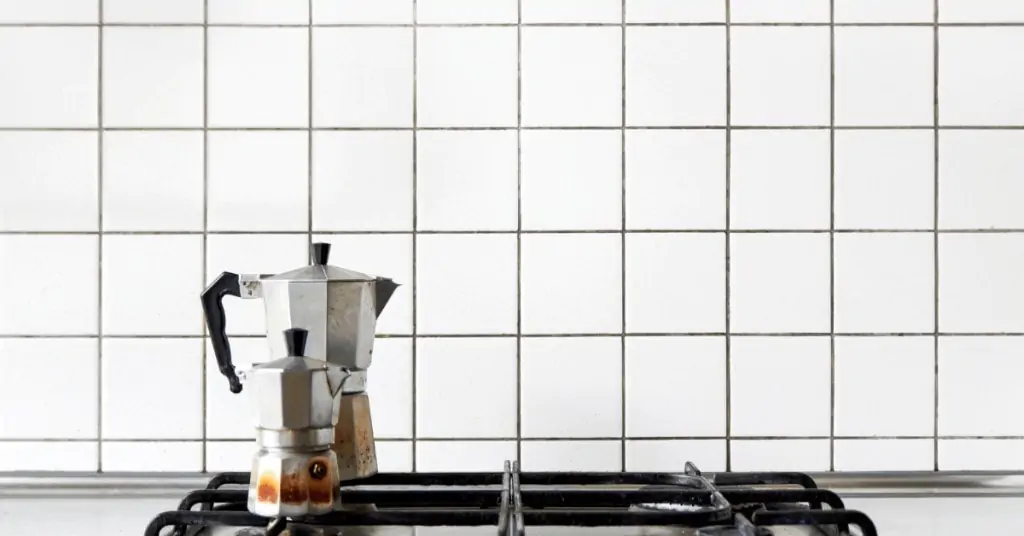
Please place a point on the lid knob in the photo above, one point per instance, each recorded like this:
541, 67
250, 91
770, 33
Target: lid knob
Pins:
295, 341
320, 251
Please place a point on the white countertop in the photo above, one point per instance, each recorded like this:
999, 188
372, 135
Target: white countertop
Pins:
115, 516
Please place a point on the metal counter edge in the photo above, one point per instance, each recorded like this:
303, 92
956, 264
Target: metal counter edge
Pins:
847, 484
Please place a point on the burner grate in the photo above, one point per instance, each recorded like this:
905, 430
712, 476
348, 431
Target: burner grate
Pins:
512, 501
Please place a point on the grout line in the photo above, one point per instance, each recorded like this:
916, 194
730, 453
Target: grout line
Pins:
935, 225
527, 231
415, 231
509, 24
622, 250
99, 243
832, 236
728, 233
519, 232
508, 127
309, 129
583, 439
545, 335
206, 209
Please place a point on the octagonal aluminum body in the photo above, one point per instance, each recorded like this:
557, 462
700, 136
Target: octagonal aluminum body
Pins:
285, 483
296, 393
340, 316
337, 307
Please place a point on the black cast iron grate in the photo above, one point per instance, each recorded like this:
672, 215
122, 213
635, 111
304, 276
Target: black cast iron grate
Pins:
512, 501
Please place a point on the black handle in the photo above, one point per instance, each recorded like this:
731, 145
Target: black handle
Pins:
320, 252
295, 341
213, 307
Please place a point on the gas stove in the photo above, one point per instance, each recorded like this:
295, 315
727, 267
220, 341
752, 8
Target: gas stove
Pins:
515, 503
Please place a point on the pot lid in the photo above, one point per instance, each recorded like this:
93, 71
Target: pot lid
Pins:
320, 270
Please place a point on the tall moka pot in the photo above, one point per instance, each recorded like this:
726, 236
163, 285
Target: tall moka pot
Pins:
338, 309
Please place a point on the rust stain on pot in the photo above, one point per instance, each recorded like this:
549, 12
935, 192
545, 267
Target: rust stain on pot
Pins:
293, 488
353, 438
266, 488
321, 492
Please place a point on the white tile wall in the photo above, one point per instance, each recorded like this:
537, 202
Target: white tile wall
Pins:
630, 233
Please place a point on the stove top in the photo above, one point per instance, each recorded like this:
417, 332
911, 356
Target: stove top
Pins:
514, 503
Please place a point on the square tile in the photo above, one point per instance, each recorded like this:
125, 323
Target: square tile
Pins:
970, 366
59, 276
979, 179
764, 370
148, 457
467, 180
153, 181
362, 77
554, 11
780, 179
466, 77
981, 455
463, 387
675, 179
664, 269
48, 181
363, 11
900, 163
885, 386
884, 282
230, 415
171, 408
550, 370
980, 11
802, 455
152, 77
671, 455
151, 11
151, 284
390, 388
779, 283
26, 411
48, 11
780, 75
591, 304
571, 76
362, 181
258, 77
980, 289
675, 76
229, 455
258, 11
384, 255
466, 283
466, 11
884, 76
571, 179
393, 456
258, 181
884, 11
885, 455
49, 456
779, 10
974, 89
572, 456
653, 368
252, 254
675, 11
56, 84
463, 456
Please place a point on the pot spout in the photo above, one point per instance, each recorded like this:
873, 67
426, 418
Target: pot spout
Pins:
384, 288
